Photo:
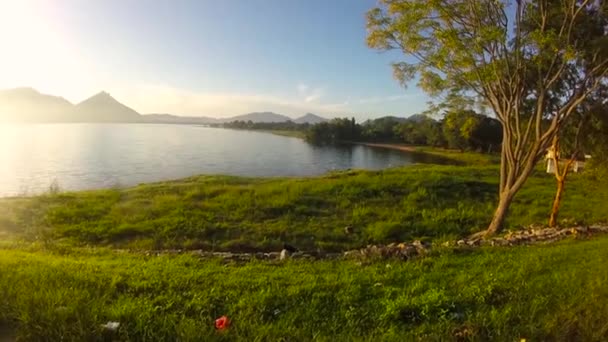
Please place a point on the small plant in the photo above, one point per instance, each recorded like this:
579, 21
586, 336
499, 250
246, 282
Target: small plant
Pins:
54, 188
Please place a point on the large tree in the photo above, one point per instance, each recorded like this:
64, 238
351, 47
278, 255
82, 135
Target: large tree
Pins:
532, 63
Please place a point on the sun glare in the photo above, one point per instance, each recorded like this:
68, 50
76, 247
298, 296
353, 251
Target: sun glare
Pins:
34, 51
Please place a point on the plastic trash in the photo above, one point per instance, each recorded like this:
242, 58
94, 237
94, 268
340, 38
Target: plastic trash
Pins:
222, 323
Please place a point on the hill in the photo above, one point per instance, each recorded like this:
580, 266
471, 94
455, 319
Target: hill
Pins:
310, 118
175, 119
29, 105
104, 108
259, 117
418, 118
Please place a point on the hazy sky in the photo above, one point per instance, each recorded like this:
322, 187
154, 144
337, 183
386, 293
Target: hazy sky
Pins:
204, 57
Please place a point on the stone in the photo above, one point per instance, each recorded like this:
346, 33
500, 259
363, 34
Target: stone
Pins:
473, 242
374, 249
353, 253
461, 242
409, 251
284, 254
498, 242
299, 255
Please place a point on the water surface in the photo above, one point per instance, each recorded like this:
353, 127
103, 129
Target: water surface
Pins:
89, 156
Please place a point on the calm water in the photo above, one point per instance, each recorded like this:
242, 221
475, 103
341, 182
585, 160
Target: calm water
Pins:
88, 156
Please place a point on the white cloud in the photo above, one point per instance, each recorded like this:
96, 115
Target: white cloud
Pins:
308, 94
314, 96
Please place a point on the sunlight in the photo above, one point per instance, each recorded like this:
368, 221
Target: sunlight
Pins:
34, 50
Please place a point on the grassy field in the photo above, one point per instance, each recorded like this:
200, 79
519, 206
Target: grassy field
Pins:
246, 214
60, 278
543, 293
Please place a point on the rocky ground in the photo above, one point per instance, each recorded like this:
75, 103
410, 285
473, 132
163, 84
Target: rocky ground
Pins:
408, 250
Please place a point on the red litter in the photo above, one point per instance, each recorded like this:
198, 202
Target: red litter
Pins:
222, 323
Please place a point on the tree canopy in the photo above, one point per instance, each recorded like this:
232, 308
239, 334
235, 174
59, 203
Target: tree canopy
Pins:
532, 62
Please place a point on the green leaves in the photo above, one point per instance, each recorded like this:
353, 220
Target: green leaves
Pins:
445, 38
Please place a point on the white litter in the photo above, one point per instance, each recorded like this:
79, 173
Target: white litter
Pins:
111, 326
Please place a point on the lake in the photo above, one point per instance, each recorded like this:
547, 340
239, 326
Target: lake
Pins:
89, 156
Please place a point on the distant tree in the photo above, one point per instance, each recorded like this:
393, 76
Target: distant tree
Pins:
421, 130
336, 130
458, 127
381, 129
549, 53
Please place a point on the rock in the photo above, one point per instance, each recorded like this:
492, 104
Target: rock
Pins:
274, 255
461, 243
299, 255
599, 229
409, 251
353, 253
473, 242
374, 250
420, 246
284, 254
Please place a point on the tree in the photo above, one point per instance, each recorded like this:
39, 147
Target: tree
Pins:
420, 130
458, 128
545, 55
467, 130
586, 133
336, 130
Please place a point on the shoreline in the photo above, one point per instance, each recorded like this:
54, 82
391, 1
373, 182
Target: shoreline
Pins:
392, 146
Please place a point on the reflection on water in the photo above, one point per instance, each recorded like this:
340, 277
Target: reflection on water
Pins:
87, 156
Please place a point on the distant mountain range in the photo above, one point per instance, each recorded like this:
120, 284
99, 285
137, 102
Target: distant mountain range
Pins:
29, 105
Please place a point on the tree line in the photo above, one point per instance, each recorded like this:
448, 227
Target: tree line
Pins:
464, 130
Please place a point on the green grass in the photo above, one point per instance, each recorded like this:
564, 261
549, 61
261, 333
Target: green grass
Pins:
58, 282
466, 157
543, 293
232, 213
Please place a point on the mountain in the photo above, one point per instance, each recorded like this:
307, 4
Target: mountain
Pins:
28, 105
174, 119
417, 118
310, 118
259, 117
104, 108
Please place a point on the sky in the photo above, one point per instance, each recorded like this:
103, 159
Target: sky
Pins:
204, 57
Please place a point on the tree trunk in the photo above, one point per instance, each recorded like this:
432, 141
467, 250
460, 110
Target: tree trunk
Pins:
556, 202
500, 214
